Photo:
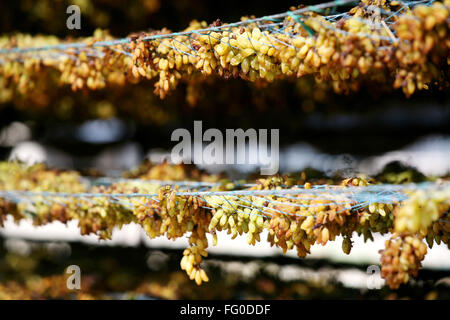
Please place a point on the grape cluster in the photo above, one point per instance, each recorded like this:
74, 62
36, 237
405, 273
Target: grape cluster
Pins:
344, 54
91, 71
401, 259
296, 221
427, 215
17, 176
421, 210
417, 53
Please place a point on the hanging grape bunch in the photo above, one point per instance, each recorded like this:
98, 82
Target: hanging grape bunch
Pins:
406, 51
293, 221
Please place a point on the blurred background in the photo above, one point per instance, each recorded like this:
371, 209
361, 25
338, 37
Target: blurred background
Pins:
116, 131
